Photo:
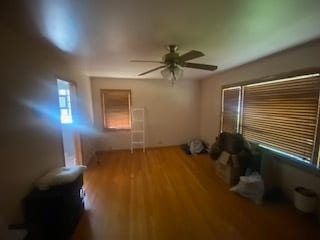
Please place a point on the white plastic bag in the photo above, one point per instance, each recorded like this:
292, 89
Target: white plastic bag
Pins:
196, 146
251, 187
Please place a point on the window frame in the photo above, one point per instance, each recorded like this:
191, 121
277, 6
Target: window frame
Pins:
104, 114
315, 161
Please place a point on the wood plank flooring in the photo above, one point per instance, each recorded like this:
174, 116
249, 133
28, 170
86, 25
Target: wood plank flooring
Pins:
164, 194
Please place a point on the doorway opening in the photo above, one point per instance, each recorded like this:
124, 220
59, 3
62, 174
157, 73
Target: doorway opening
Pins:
70, 135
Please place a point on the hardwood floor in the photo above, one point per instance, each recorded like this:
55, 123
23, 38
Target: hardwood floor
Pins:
165, 194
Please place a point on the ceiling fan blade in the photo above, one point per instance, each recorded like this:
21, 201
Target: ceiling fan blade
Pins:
154, 69
190, 55
146, 61
200, 66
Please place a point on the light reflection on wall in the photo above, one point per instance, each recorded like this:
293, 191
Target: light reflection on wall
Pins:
60, 24
45, 111
42, 109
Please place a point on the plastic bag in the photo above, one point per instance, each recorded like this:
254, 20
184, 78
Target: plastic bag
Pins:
251, 187
196, 146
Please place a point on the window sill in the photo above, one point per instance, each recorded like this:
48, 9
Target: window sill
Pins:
304, 166
116, 130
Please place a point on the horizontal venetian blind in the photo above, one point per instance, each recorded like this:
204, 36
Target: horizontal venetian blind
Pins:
283, 114
116, 109
230, 109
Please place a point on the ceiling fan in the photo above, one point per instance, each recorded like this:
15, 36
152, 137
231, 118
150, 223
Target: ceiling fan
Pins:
172, 63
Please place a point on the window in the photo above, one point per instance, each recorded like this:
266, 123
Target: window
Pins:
116, 109
64, 102
281, 115
230, 109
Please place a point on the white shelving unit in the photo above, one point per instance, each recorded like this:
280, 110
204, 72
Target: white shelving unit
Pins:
137, 128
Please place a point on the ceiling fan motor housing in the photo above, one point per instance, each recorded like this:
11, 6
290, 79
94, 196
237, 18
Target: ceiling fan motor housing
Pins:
171, 58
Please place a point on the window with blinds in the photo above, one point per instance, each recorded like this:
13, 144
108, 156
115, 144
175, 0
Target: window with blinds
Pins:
281, 115
230, 110
116, 109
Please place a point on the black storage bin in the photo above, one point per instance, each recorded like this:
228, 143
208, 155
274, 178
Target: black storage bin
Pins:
54, 213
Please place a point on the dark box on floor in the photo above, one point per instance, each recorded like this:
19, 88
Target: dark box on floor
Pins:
54, 213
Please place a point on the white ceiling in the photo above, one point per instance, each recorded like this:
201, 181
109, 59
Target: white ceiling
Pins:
106, 35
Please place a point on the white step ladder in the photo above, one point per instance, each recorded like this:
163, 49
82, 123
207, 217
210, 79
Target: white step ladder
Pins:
137, 128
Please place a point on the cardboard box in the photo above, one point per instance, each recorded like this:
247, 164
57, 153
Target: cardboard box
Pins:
227, 168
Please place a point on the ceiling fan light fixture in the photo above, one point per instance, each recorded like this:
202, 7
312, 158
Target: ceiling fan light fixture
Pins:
166, 73
178, 72
172, 73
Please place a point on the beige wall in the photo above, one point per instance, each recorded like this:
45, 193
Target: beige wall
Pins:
30, 138
301, 57
172, 113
